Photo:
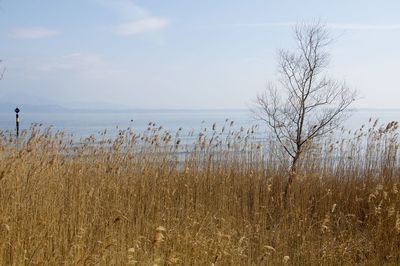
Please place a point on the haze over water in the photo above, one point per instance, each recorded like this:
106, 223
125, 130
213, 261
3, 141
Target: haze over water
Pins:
84, 123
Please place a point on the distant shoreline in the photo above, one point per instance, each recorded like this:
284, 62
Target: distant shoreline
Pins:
44, 109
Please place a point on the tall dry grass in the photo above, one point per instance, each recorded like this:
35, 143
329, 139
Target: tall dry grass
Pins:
153, 199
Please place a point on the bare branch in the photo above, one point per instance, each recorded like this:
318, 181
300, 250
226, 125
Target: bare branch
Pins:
305, 104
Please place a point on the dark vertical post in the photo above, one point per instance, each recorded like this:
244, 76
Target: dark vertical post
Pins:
17, 121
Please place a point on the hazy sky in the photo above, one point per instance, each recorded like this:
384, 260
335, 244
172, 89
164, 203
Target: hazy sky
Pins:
185, 54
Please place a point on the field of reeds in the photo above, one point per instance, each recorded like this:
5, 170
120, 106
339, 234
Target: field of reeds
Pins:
216, 198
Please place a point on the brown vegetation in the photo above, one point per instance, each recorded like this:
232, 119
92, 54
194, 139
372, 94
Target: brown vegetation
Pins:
137, 199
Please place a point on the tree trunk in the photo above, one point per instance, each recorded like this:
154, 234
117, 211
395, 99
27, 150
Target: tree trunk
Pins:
292, 174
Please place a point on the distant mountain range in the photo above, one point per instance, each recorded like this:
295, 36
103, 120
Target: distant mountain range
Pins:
6, 107
9, 107
100, 108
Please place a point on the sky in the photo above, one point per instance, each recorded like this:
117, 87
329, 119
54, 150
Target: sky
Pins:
186, 54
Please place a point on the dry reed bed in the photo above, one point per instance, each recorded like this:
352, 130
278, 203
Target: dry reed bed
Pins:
137, 199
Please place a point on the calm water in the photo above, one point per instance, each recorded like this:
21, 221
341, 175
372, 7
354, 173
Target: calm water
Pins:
92, 122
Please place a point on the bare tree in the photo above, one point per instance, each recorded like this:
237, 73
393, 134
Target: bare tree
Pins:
305, 104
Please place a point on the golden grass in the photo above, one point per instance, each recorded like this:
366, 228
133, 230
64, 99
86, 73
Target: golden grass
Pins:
137, 200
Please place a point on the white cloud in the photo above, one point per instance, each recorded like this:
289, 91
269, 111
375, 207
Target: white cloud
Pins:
82, 65
127, 9
141, 26
34, 33
345, 26
339, 26
135, 19
261, 25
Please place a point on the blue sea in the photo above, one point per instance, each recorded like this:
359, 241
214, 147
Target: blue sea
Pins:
87, 122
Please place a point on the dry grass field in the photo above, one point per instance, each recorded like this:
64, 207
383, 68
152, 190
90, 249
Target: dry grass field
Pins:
151, 199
